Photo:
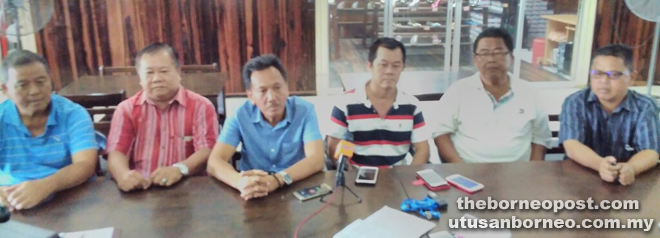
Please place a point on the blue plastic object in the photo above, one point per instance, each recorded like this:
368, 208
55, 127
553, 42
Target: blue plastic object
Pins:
427, 207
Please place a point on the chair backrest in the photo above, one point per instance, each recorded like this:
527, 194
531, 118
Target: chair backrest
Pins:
99, 99
101, 105
555, 135
193, 68
109, 70
200, 68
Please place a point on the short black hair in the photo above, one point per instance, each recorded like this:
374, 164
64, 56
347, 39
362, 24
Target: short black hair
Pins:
157, 47
389, 43
17, 58
260, 63
495, 33
623, 52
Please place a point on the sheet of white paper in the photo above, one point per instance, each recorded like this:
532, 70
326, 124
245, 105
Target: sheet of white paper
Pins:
395, 223
478, 233
98, 233
350, 230
387, 222
441, 234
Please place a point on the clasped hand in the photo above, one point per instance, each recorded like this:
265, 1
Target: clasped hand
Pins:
256, 183
163, 176
610, 171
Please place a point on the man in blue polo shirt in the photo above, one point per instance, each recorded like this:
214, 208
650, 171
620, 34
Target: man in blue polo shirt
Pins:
281, 141
607, 127
47, 142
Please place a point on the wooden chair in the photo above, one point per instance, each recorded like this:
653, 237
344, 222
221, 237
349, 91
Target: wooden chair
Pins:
555, 134
429, 97
200, 68
209, 68
192, 68
105, 70
102, 105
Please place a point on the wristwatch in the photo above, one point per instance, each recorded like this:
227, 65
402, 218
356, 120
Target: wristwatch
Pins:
182, 168
287, 179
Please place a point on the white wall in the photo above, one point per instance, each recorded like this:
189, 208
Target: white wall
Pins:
29, 43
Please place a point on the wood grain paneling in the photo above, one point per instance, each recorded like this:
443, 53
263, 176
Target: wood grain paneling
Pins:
85, 34
615, 23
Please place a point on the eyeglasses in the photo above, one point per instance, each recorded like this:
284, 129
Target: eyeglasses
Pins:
494, 54
609, 74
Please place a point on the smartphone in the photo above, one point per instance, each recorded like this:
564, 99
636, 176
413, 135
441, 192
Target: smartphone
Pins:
367, 175
432, 180
312, 192
464, 183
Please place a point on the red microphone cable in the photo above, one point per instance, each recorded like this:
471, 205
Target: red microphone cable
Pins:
332, 197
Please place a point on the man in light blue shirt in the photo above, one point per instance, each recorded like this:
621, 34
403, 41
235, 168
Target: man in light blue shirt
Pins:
280, 137
47, 143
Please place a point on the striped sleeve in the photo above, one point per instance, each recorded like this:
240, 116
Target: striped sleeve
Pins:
571, 120
339, 125
122, 130
420, 131
205, 129
81, 130
647, 130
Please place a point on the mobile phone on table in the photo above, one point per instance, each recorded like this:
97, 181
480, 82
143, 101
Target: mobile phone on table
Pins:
312, 192
367, 175
432, 180
464, 183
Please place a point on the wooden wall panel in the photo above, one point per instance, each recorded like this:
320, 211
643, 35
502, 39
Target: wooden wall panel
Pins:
85, 34
615, 23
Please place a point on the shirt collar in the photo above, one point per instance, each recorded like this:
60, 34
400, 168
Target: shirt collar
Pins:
14, 117
180, 97
628, 102
257, 117
361, 93
475, 81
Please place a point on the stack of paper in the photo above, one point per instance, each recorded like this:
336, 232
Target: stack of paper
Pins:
98, 233
387, 222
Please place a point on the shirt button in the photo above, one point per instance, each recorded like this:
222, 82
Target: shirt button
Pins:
273, 166
272, 150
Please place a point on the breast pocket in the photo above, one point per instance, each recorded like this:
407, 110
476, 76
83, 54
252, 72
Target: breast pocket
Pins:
291, 147
188, 145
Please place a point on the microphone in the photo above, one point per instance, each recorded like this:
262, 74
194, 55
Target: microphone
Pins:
343, 153
4, 214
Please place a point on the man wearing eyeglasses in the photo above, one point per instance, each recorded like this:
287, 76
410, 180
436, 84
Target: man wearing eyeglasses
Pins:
490, 116
607, 127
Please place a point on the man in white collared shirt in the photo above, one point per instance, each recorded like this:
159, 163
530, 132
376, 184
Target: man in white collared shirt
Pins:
490, 116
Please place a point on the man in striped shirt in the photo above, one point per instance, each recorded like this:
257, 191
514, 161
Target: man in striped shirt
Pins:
607, 127
47, 142
382, 121
164, 132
